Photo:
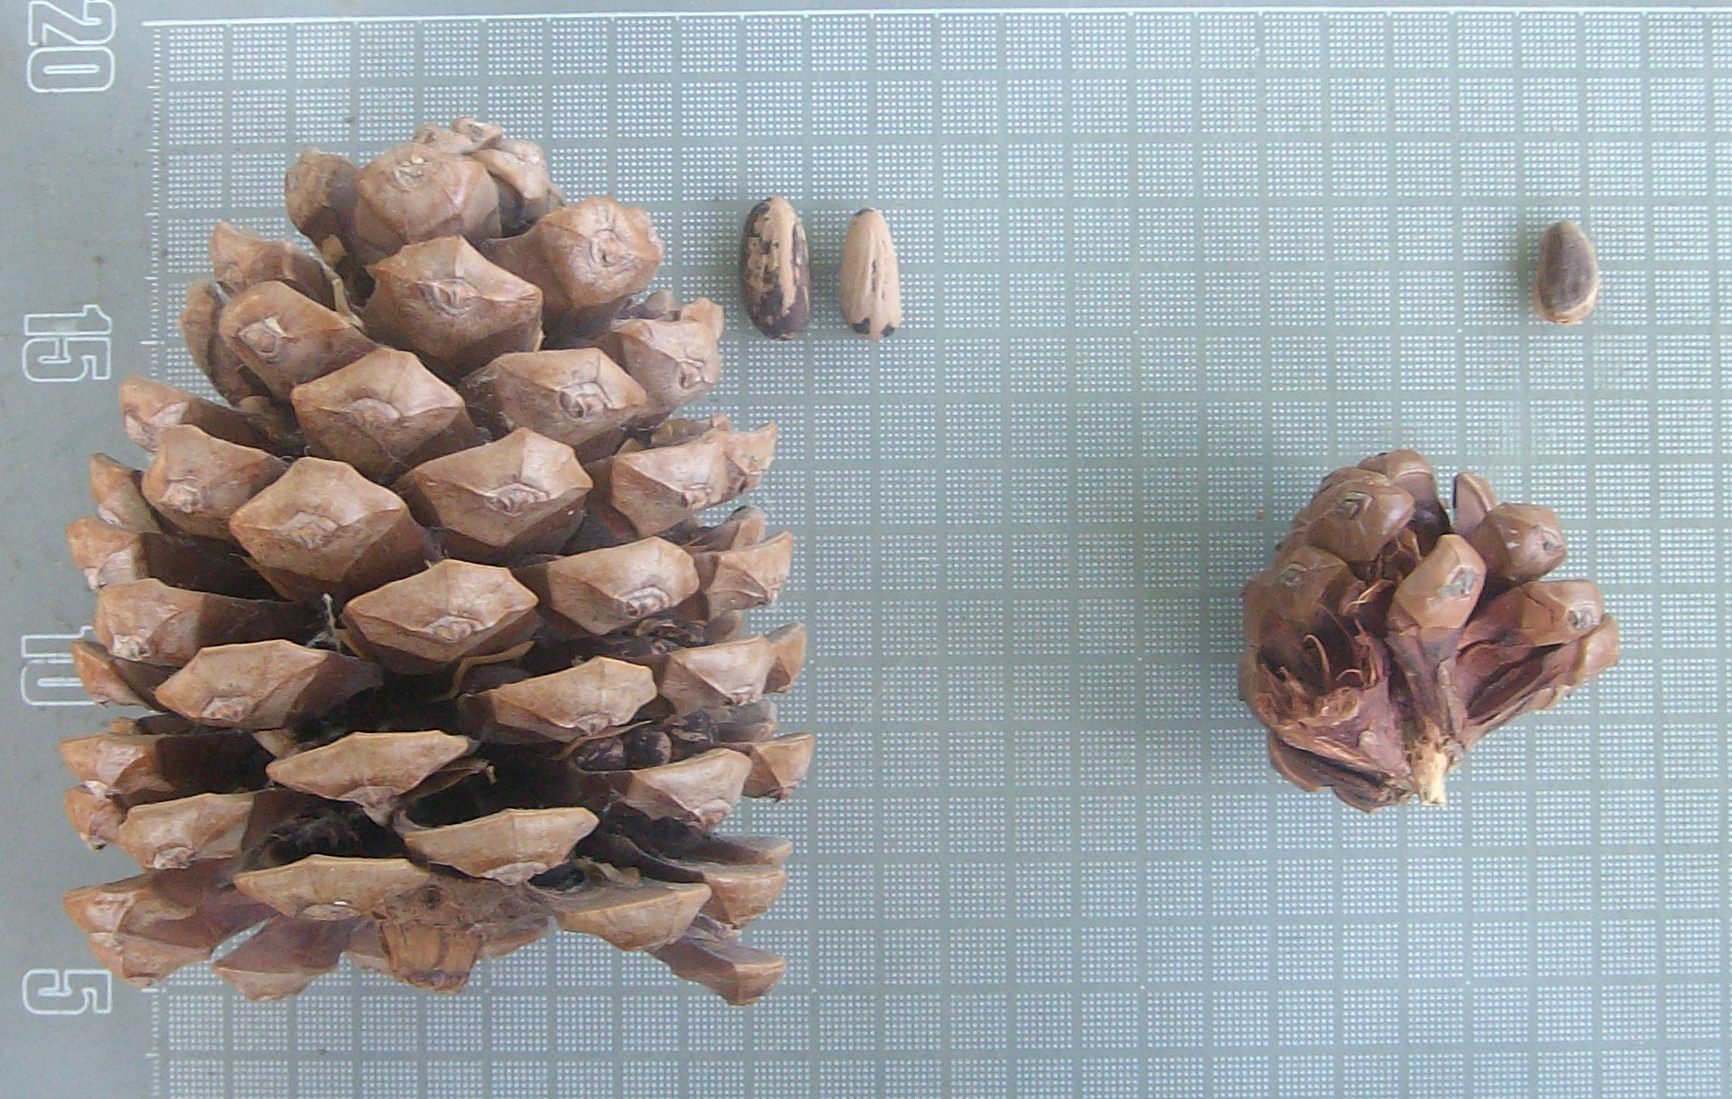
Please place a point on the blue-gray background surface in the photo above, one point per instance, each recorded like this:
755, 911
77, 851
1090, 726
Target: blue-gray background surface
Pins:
1161, 270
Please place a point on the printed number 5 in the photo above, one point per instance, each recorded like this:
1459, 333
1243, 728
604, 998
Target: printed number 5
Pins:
68, 50
68, 991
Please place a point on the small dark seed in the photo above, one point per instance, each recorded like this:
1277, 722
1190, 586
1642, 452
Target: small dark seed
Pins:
1567, 281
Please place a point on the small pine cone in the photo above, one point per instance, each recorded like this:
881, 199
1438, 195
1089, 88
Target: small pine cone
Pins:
440, 654
1389, 636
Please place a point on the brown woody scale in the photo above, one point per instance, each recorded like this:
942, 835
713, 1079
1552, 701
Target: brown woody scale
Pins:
1390, 635
439, 651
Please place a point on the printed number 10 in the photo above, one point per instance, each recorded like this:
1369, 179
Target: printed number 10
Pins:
68, 50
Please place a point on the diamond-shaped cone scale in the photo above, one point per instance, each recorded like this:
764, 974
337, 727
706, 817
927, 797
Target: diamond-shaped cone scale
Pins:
676, 359
233, 380
514, 497
196, 481
711, 956
608, 589
109, 554
370, 769
526, 189
730, 674
284, 957
319, 197
779, 765
581, 702
639, 914
442, 298
117, 490
264, 684
382, 414
150, 622
240, 258
150, 765
588, 254
745, 578
146, 953
416, 193
702, 789
578, 396
94, 817
144, 899
327, 887
1520, 542
285, 338
453, 611
744, 879
163, 834
107, 678
510, 846
327, 530
147, 407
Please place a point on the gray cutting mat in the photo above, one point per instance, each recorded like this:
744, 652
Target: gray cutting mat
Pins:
1163, 269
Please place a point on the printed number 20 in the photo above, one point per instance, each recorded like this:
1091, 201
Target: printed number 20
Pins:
68, 50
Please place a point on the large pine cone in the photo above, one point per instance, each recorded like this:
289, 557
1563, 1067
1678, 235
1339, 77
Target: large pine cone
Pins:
440, 651
1389, 636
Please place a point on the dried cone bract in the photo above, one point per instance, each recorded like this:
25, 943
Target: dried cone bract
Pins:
443, 652
1392, 633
